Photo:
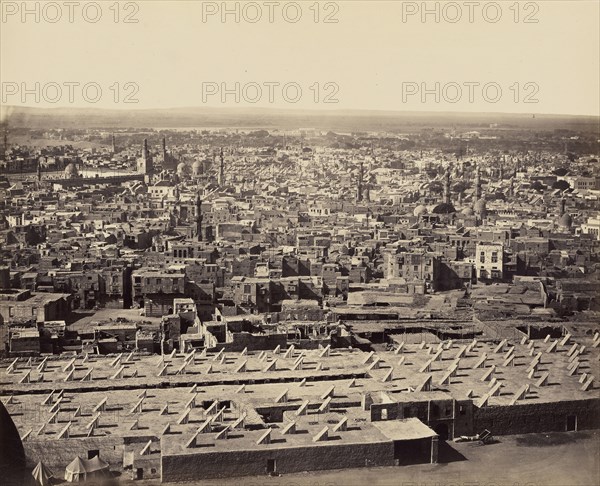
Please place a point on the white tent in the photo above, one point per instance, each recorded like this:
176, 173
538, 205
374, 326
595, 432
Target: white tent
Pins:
76, 471
82, 469
41, 474
97, 467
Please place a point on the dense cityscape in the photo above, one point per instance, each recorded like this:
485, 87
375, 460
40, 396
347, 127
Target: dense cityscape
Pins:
172, 300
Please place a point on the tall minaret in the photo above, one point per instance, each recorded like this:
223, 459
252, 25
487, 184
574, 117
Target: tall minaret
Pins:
447, 185
164, 151
199, 216
562, 207
39, 171
145, 162
222, 169
5, 140
114, 145
359, 189
477, 184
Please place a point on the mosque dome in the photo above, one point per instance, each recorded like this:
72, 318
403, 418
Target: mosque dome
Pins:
71, 170
565, 221
467, 212
197, 168
444, 208
181, 168
480, 206
420, 210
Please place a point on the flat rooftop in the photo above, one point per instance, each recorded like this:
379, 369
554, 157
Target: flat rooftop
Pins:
136, 395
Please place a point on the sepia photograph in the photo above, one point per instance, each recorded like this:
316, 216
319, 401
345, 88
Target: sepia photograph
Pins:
300, 243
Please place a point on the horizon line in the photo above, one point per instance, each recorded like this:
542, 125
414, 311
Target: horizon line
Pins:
292, 110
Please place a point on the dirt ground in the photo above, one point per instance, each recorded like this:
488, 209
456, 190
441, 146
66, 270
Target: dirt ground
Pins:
561, 459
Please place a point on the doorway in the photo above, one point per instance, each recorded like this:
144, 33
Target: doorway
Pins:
442, 431
271, 466
571, 423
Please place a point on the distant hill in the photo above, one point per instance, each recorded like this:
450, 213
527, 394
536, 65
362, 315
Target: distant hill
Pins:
348, 120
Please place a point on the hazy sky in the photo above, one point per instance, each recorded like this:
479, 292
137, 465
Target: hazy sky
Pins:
372, 57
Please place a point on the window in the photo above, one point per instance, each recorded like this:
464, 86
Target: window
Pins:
482, 257
406, 412
11, 312
384, 414
416, 268
494, 257
93, 453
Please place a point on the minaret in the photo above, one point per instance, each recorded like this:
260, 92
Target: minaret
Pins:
145, 162
39, 171
222, 169
5, 139
114, 145
447, 185
164, 150
562, 207
477, 184
359, 189
198, 216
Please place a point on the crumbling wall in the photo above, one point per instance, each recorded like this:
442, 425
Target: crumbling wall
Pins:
254, 342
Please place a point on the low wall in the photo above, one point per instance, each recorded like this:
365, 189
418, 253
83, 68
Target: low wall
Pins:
57, 454
211, 465
537, 417
254, 342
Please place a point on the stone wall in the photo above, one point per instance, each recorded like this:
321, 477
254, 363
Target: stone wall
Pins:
537, 417
210, 465
58, 453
